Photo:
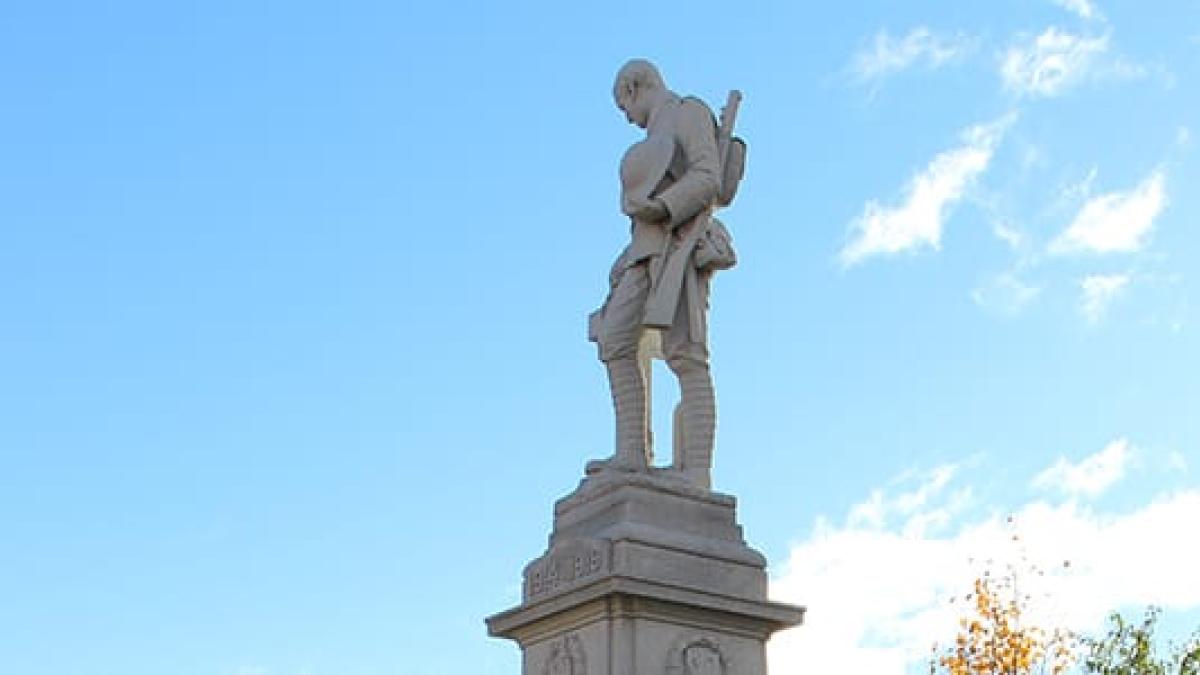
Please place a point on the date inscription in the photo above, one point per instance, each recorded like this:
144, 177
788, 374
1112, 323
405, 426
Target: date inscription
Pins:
565, 566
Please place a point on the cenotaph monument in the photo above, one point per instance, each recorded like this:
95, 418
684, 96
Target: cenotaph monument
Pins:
647, 571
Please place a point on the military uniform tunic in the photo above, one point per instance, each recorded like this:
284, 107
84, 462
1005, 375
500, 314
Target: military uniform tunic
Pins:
684, 129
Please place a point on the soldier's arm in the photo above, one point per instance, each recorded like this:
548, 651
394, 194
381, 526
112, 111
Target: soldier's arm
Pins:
696, 189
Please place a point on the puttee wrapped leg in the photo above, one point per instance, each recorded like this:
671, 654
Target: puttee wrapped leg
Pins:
697, 417
629, 405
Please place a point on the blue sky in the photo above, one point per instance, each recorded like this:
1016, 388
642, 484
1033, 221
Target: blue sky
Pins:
292, 364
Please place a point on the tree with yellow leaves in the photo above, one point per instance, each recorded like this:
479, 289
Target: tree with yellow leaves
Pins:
995, 637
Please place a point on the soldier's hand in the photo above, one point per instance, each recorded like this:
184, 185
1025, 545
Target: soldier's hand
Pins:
654, 210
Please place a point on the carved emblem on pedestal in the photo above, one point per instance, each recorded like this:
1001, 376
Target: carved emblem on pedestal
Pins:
566, 657
701, 659
697, 656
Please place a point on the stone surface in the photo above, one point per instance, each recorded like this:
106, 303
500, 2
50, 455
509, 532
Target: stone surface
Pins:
644, 573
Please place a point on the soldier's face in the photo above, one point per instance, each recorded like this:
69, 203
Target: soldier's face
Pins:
634, 106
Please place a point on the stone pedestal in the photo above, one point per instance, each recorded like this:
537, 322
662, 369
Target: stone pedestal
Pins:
645, 574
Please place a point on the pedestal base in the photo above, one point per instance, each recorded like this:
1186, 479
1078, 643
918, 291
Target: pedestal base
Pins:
645, 574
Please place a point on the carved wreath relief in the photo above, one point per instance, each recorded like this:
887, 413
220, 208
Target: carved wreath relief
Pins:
566, 657
701, 659
697, 656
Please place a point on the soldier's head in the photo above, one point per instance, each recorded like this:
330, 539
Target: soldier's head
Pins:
637, 89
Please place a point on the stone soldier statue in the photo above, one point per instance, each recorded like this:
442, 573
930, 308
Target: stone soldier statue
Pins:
670, 182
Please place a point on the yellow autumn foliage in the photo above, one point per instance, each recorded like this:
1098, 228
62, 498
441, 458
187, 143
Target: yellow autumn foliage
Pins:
995, 637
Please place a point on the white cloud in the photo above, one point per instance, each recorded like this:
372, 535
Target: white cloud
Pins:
1009, 234
1183, 136
1082, 8
917, 222
1091, 476
879, 509
878, 591
1117, 222
1005, 294
1123, 69
888, 55
1098, 292
1050, 63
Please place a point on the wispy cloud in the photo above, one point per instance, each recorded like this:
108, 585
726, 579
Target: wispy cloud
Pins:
1117, 222
1079, 191
887, 55
1097, 293
1084, 9
1005, 294
878, 589
917, 221
1050, 63
879, 510
1009, 234
1089, 477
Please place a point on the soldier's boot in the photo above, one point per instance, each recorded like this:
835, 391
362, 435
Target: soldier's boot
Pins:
695, 421
628, 387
